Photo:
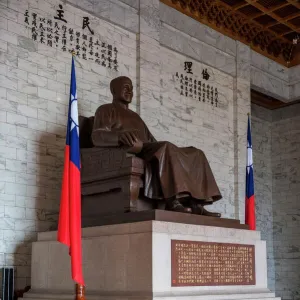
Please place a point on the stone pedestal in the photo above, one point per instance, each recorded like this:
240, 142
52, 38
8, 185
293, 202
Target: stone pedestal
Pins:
133, 261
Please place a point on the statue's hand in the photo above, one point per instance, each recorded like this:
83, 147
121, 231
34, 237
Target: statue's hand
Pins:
136, 148
127, 138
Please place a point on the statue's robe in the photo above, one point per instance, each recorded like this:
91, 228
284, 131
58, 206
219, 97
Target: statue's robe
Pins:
170, 170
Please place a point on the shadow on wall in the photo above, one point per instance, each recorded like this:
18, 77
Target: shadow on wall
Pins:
19, 293
42, 203
49, 179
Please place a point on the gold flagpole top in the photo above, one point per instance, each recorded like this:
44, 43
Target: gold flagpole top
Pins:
73, 53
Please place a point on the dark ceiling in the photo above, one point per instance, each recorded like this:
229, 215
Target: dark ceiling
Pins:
270, 27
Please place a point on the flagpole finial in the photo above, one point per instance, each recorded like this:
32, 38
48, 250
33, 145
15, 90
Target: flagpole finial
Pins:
73, 53
248, 114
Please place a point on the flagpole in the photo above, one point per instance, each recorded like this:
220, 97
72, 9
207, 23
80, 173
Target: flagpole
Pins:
250, 218
79, 288
80, 292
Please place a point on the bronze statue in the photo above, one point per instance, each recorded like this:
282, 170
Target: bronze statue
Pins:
180, 176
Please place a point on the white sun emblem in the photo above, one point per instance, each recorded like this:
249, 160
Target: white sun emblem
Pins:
74, 113
249, 158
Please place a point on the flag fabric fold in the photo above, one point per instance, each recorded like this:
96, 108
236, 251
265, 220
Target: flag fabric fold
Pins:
250, 218
69, 225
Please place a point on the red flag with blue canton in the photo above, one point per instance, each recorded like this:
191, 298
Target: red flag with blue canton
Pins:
250, 198
69, 226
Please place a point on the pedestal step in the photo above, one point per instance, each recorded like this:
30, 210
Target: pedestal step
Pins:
161, 215
221, 297
225, 296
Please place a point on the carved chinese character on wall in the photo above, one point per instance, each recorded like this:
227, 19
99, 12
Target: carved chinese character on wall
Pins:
86, 23
55, 32
192, 87
205, 74
60, 14
188, 67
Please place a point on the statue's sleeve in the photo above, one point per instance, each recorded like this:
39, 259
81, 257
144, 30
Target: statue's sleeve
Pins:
103, 134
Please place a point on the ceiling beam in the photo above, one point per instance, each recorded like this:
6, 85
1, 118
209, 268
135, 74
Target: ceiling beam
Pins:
238, 6
294, 2
291, 17
265, 101
279, 6
272, 14
268, 102
287, 32
272, 24
257, 15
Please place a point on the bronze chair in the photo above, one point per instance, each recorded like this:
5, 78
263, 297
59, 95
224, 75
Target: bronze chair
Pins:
111, 178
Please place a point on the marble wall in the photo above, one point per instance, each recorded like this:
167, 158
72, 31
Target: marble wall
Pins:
261, 126
294, 82
286, 200
273, 79
276, 156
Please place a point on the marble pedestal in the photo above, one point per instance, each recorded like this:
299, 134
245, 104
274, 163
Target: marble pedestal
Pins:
133, 261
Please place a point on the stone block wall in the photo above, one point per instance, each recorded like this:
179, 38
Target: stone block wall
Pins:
261, 126
276, 157
273, 79
286, 200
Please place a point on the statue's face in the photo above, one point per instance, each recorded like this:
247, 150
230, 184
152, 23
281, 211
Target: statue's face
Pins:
125, 91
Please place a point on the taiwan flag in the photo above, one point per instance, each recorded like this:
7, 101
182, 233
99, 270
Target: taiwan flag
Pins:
250, 199
69, 226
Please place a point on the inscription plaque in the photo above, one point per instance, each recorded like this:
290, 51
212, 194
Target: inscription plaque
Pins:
206, 264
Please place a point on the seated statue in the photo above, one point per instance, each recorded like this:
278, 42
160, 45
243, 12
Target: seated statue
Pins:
180, 176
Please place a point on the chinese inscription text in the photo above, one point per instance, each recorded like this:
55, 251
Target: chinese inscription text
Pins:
205, 74
188, 67
60, 14
208, 264
86, 23
56, 33
191, 86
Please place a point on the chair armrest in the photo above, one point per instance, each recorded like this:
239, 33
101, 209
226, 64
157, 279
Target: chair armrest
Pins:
104, 163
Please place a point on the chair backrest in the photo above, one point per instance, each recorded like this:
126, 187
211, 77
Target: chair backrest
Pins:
85, 131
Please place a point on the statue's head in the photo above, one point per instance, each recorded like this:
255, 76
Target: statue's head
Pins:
122, 89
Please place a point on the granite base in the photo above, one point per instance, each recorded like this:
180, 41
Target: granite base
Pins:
133, 261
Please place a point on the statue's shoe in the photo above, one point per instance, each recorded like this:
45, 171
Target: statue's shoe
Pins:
198, 209
175, 205
210, 214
